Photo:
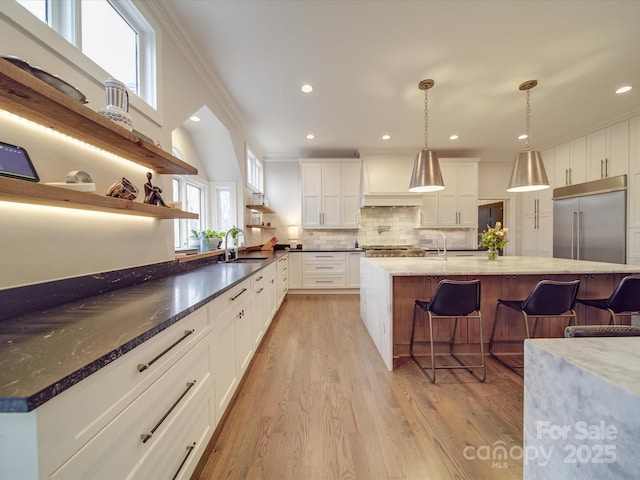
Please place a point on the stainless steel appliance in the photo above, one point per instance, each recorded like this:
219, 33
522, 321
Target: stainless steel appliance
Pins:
589, 220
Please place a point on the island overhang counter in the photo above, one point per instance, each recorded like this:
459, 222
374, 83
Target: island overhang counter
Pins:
390, 286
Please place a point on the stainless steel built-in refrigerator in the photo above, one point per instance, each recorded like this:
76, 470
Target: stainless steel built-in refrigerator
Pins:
589, 220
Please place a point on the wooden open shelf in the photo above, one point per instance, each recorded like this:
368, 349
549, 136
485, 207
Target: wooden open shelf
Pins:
21, 191
261, 227
29, 97
260, 208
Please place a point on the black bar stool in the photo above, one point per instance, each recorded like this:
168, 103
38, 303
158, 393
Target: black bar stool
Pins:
548, 299
452, 299
601, 331
624, 301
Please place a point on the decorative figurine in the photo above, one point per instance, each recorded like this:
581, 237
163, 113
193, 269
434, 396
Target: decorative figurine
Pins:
152, 194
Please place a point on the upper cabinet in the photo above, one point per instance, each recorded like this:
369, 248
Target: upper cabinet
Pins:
570, 165
457, 205
608, 152
330, 193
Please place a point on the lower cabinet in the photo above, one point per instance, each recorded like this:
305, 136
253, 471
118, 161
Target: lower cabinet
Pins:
151, 412
323, 270
282, 279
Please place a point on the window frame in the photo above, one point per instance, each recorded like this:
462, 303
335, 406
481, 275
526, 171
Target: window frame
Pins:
60, 36
255, 171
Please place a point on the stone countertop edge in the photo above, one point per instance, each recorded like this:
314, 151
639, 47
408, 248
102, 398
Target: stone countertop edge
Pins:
46, 352
346, 249
508, 265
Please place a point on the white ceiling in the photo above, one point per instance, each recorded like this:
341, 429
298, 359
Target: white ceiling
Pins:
366, 58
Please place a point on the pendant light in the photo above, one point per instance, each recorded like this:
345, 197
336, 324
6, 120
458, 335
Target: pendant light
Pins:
528, 172
426, 175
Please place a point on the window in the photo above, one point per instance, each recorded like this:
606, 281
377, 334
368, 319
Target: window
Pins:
112, 33
195, 204
255, 176
175, 183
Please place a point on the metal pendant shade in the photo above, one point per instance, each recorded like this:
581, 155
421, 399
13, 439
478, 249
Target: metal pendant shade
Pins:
528, 172
426, 176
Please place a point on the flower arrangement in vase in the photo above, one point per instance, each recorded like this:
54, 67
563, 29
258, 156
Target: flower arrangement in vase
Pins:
494, 239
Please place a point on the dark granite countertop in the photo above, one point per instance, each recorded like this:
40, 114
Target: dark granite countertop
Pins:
44, 353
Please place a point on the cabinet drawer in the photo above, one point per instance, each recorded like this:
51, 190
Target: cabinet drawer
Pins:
323, 268
230, 298
323, 257
70, 420
324, 281
130, 437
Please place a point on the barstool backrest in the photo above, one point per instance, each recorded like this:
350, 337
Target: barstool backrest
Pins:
626, 297
455, 298
551, 298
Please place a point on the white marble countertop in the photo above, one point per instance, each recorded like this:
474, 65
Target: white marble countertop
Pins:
399, 266
613, 359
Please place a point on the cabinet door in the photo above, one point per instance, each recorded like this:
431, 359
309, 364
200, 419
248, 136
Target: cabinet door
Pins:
562, 163
617, 159
244, 336
596, 154
545, 234
634, 181
468, 195
223, 360
448, 198
331, 196
350, 188
530, 218
295, 270
311, 194
353, 269
578, 172
429, 211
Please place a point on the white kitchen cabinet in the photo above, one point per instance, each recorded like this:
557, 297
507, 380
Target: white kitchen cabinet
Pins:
570, 163
633, 192
608, 152
353, 269
330, 193
537, 215
323, 270
263, 284
457, 205
295, 269
109, 410
282, 279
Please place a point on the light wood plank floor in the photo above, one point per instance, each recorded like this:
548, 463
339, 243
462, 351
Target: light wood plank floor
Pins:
318, 403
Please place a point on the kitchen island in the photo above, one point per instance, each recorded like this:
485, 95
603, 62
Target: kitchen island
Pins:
390, 286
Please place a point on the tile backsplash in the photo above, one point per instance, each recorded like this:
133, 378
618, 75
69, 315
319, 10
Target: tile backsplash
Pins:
389, 226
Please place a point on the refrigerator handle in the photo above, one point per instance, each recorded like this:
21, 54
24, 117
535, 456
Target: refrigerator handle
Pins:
578, 236
573, 234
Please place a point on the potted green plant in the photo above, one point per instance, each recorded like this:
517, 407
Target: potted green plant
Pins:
195, 239
212, 239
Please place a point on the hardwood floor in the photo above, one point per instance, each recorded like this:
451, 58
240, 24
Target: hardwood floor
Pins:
318, 403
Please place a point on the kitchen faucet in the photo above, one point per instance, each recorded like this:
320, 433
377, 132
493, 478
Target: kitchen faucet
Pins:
226, 236
444, 247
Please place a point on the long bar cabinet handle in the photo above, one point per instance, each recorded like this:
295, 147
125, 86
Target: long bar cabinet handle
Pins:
145, 437
190, 449
241, 292
143, 366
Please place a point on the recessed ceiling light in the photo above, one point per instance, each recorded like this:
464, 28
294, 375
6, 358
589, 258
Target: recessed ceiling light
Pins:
306, 88
193, 118
454, 137
624, 89
386, 136
523, 136
311, 136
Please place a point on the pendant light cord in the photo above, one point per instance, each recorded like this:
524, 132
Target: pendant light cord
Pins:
426, 119
528, 120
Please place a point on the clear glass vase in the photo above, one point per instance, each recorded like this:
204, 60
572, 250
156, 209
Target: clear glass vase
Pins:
492, 254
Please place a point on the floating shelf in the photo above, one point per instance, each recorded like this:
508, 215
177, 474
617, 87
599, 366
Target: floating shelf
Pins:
261, 227
260, 208
29, 97
21, 191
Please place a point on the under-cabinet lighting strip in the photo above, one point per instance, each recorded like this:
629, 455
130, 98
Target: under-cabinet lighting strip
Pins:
56, 135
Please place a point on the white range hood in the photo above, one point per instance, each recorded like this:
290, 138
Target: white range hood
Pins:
385, 181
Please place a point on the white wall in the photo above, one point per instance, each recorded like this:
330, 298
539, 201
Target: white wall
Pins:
40, 243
